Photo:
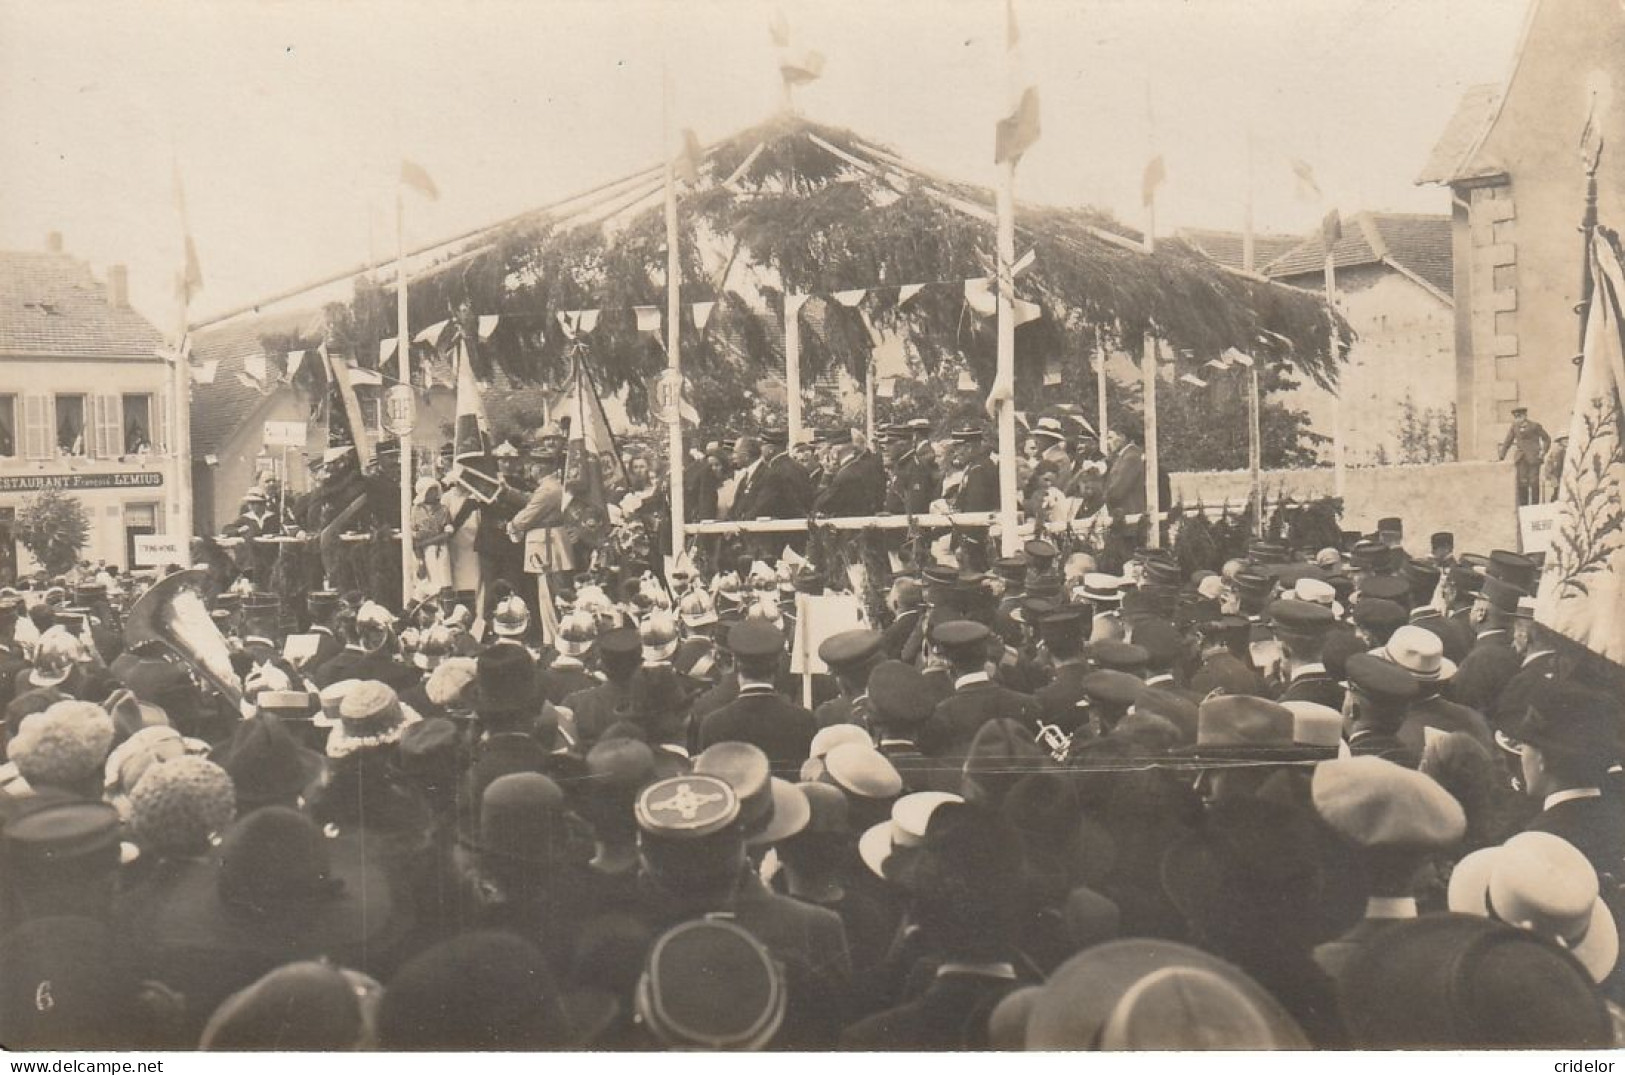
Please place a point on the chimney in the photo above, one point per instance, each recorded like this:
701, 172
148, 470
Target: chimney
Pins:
118, 286
53, 242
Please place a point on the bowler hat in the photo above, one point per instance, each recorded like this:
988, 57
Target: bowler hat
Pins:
505, 678
1452, 981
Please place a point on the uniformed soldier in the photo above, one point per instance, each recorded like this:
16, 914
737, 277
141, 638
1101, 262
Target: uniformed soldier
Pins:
1528, 440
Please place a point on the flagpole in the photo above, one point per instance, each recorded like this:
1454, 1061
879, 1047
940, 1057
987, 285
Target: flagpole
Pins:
674, 284
1330, 273
792, 366
1006, 373
1255, 448
1148, 361
403, 351
180, 424
1100, 387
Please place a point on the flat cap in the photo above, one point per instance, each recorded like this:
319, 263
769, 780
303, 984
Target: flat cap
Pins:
848, 648
1301, 617
1372, 802
1380, 679
754, 638
897, 694
1380, 614
1111, 687
959, 633
1119, 656
862, 771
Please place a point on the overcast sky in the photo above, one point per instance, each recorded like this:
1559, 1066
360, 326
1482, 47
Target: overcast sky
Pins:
288, 119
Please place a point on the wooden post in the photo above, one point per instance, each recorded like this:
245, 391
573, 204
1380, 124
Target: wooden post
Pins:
674, 365
1009, 492
792, 365
403, 356
1255, 449
1148, 383
1342, 380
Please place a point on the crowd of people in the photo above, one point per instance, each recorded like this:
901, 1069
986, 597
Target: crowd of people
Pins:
1323, 797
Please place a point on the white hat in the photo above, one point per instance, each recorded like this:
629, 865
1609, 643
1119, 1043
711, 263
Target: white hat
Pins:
1541, 883
1420, 652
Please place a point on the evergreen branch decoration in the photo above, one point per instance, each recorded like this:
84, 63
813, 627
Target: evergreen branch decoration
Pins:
1591, 528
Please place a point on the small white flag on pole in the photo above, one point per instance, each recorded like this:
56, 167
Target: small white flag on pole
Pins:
1025, 311
433, 334
979, 296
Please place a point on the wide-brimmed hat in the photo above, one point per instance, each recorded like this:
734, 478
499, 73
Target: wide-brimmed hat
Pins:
1542, 883
1246, 727
1152, 994
1420, 652
371, 715
1454, 981
267, 764
305, 1006
708, 984
1373, 803
487, 990
905, 832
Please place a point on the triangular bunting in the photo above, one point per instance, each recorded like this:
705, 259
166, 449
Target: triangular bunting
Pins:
203, 372
434, 334
702, 314
908, 291
488, 325
850, 297
1026, 311
386, 349
979, 296
648, 318
295, 360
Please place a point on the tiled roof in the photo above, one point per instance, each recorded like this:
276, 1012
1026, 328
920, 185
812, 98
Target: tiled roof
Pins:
218, 409
1225, 247
50, 305
1461, 135
1418, 243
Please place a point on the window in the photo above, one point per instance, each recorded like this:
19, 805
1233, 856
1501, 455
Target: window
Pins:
70, 425
8, 425
137, 424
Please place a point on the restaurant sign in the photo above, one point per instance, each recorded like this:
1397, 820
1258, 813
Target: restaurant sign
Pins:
34, 483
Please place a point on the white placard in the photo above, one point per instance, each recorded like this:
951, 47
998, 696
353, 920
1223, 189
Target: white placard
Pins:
816, 619
298, 649
156, 550
284, 435
1537, 524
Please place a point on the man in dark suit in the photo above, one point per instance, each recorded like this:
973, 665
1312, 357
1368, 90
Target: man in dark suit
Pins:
1493, 660
1568, 739
11, 657
760, 715
907, 602
1301, 628
1062, 632
620, 655
966, 900
851, 656
1125, 476
783, 490
700, 485
976, 698
850, 490
748, 464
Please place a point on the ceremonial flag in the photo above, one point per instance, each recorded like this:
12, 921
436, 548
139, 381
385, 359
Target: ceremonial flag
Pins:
1019, 129
414, 176
1308, 187
1582, 587
345, 428
688, 159
1331, 229
475, 470
189, 281
1156, 172
590, 443
796, 65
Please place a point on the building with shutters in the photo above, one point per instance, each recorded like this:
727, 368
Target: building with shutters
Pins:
87, 406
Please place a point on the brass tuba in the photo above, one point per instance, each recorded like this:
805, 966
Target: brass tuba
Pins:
173, 614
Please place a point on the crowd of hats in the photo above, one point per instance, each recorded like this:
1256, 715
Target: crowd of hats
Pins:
1046, 807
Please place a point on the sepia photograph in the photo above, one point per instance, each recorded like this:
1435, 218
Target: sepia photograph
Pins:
808, 526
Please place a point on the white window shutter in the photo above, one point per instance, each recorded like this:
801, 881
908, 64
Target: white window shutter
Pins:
160, 431
38, 431
95, 428
113, 425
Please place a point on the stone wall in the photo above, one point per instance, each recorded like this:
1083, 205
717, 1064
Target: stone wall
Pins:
1476, 501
